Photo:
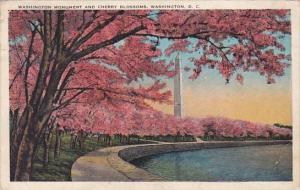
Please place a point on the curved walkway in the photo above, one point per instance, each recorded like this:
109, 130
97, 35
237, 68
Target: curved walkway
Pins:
112, 163
105, 165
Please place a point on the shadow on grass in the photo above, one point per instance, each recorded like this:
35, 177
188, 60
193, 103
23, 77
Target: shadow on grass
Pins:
60, 169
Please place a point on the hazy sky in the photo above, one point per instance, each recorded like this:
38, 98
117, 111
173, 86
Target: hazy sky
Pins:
254, 101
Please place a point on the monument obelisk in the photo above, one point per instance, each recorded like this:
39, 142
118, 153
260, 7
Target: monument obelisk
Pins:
177, 88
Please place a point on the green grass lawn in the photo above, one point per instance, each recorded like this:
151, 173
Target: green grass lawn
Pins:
60, 170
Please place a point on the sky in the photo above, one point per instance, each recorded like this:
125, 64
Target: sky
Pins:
255, 100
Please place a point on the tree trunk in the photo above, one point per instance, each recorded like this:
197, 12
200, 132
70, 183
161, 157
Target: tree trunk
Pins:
57, 143
81, 138
46, 153
27, 148
13, 115
73, 141
109, 141
26, 151
106, 138
24, 162
17, 139
35, 152
13, 132
46, 143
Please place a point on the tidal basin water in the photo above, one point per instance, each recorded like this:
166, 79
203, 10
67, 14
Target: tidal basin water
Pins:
252, 163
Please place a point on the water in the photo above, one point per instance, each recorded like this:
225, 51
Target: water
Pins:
253, 163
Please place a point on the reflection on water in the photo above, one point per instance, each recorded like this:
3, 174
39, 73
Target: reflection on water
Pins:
253, 163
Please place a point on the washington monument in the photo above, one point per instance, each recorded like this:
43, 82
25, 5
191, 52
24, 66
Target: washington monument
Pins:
177, 88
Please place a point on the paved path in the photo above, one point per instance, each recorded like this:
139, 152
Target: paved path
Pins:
156, 142
106, 165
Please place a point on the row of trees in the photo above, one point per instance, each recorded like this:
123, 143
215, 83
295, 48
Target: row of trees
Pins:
82, 61
143, 122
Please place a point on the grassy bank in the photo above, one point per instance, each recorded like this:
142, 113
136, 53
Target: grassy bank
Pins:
60, 170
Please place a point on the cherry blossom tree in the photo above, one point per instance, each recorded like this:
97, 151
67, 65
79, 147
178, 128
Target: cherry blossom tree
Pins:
60, 58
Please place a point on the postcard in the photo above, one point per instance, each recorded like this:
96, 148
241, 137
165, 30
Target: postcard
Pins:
143, 95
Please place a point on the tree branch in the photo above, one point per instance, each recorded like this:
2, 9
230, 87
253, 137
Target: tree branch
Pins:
63, 84
68, 101
28, 64
173, 37
82, 28
42, 74
219, 49
79, 41
111, 41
